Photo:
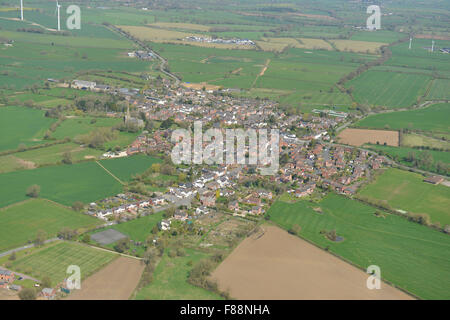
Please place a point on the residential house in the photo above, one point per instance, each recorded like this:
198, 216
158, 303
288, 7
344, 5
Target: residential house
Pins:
49, 293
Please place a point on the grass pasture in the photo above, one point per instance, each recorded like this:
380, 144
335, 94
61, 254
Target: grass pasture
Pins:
389, 89
406, 191
433, 118
400, 154
22, 221
66, 184
402, 249
440, 90
52, 261
170, 280
74, 127
21, 125
45, 156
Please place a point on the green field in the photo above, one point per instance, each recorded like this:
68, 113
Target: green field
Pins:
66, 184
411, 256
433, 118
45, 156
169, 280
440, 89
20, 125
389, 89
52, 261
406, 191
74, 127
400, 154
22, 221
122, 169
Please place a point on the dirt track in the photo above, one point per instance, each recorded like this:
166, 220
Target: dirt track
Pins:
116, 281
278, 265
358, 137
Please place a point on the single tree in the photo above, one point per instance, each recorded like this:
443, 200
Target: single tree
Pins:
34, 191
27, 294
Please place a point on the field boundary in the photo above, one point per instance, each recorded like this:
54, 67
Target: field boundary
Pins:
110, 173
345, 260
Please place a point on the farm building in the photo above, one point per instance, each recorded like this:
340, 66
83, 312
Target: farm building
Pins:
84, 85
434, 179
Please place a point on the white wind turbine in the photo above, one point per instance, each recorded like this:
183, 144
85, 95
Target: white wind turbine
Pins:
58, 7
21, 9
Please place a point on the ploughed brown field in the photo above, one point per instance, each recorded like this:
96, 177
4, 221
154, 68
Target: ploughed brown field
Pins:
278, 265
116, 281
358, 137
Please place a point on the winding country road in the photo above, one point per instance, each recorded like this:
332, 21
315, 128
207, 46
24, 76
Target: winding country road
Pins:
143, 45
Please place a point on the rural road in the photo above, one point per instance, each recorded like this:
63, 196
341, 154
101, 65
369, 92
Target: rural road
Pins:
28, 246
140, 43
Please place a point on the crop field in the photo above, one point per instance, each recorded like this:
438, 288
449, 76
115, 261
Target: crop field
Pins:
52, 261
116, 281
273, 264
358, 137
170, 280
279, 44
386, 242
66, 184
393, 90
179, 25
358, 46
417, 140
440, 90
20, 125
22, 221
45, 156
433, 118
406, 191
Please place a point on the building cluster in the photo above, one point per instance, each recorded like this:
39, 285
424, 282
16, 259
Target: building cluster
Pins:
239, 42
310, 160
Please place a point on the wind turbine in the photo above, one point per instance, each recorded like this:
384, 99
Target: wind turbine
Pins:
58, 7
21, 10
432, 46
410, 43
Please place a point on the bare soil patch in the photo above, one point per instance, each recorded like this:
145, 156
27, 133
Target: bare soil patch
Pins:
26, 164
430, 36
116, 281
6, 294
199, 86
358, 137
277, 265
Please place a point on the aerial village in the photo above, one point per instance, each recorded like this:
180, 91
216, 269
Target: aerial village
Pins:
310, 163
